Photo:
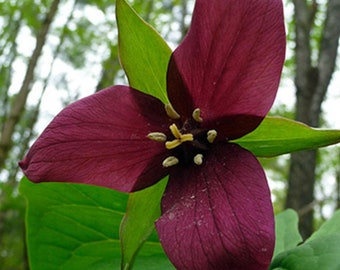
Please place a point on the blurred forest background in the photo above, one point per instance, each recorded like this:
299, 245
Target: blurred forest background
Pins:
53, 52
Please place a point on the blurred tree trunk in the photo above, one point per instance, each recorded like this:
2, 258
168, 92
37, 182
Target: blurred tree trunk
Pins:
18, 105
312, 79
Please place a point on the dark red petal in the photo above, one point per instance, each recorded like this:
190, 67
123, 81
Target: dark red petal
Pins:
101, 140
219, 215
231, 60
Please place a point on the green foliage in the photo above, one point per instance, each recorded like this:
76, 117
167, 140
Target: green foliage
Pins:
331, 227
286, 229
12, 245
73, 226
320, 251
83, 35
64, 220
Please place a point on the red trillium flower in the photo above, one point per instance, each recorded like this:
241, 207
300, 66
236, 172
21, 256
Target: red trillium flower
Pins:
221, 82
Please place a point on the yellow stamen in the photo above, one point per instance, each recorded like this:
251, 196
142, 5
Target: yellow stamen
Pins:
170, 111
180, 138
196, 114
198, 159
170, 161
157, 136
211, 135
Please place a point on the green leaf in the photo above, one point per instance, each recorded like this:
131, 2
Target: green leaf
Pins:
287, 233
276, 136
143, 53
320, 253
73, 226
330, 227
138, 223
152, 257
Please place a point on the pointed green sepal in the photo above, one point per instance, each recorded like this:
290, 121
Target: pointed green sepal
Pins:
276, 136
143, 53
143, 209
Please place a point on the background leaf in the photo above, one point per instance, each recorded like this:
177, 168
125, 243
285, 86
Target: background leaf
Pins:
330, 227
143, 209
276, 136
143, 53
287, 232
320, 253
73, 226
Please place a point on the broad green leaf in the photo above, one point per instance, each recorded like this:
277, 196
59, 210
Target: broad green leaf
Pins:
287, 233
276, 136
152, 257
330, 227
143, 53
318, 254
73, 226
143, 209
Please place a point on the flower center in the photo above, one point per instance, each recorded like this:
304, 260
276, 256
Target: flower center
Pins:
186, 144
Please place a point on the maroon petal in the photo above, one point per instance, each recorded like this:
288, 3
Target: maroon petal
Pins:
219, 215
231, 60
101, 140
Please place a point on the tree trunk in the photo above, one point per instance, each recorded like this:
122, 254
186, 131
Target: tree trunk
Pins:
311, 82
19, 102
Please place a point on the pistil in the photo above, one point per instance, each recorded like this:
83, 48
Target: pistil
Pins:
179, 138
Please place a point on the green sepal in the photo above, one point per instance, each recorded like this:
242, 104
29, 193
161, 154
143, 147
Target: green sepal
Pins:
143, 53
277, 135
143, 209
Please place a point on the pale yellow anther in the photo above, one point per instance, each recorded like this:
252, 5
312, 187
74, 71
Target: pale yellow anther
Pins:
170, 161
170, 111
157, 136
198, 159
180, 138
211, 135
196, 115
